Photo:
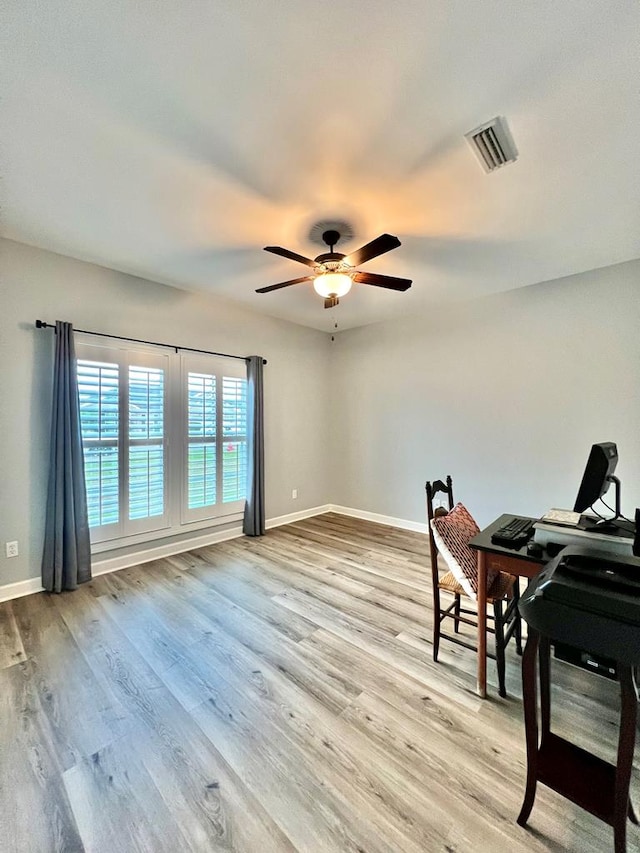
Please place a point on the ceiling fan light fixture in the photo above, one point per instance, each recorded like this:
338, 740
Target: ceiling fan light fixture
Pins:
334, 272
332, 284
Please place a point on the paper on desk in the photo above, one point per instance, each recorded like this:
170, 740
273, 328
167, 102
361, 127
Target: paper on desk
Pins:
562, 516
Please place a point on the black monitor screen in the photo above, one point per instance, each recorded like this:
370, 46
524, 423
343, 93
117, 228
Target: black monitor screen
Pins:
595, 480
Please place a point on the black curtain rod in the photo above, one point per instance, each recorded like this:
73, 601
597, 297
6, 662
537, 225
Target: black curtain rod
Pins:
40, 324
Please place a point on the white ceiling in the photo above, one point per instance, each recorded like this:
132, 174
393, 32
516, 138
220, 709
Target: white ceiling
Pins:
174, 139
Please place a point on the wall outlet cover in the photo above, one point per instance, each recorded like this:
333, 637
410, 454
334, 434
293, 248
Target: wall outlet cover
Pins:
11, 549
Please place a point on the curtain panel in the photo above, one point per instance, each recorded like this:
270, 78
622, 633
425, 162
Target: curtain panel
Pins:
66, 559
254, 507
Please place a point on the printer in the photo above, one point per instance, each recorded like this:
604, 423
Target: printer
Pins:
589, 600
584, 534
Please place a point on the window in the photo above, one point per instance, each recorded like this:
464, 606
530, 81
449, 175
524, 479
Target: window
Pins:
164, 438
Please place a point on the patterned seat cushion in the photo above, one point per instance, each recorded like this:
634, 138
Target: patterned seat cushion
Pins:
452, 534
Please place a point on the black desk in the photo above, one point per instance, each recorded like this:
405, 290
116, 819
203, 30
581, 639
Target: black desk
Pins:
514, 561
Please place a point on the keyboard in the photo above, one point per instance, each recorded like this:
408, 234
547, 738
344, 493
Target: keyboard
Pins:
513, 534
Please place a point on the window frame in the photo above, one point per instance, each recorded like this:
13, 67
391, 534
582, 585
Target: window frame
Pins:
126, 357
175, 520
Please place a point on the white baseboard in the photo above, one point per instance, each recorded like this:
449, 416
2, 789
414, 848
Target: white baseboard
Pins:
297, 516
20, 588
377, 518
124, 561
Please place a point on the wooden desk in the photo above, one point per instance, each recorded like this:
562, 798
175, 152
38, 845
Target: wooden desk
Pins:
514, 561
597, 786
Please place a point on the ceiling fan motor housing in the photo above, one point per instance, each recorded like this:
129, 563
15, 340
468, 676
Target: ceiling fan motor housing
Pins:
330, 224
331, 237
329, 258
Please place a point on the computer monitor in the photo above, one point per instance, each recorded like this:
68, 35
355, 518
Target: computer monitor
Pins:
598, 475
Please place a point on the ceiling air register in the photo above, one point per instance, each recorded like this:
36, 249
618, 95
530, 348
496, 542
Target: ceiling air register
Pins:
493, 144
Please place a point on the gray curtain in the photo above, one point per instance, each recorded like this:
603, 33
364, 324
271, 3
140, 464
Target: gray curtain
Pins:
254, 507
66, 560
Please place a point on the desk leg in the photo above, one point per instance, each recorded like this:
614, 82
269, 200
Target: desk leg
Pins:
482, 625
530, 704
626, 743
544, 655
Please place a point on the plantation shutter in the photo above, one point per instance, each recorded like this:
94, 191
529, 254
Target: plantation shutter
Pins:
215, 393
202, 486
234, 435
144, 469
98, 391
146, 442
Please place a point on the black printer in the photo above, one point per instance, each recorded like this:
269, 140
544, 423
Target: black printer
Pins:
589, 600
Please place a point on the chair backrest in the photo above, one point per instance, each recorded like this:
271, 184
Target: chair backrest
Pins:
450, 538
432, 489
452, 534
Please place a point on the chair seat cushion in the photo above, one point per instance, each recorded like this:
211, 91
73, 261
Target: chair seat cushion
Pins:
452, 534
502, 587
448, 582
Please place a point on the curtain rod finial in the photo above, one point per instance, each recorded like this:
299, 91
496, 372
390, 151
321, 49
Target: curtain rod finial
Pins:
40, 324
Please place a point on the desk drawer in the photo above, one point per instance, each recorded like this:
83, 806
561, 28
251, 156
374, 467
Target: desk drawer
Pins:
513, 565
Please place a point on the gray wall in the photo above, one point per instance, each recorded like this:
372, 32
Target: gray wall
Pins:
388, 405
39, 284
505, 393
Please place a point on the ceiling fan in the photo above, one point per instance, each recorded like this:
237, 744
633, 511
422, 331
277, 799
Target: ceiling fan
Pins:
334, 273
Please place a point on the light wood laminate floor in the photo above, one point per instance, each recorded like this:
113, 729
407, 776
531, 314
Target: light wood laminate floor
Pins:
272, 694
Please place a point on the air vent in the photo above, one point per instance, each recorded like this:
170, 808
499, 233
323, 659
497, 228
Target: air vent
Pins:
493, 144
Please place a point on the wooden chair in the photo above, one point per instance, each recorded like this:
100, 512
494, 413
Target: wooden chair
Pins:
461, 582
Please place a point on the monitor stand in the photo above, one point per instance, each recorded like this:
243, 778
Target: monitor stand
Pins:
616, 526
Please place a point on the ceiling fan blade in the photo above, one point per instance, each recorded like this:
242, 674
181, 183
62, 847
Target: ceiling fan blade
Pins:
285, 253
388, 281
284, 284
383, 243
330, 301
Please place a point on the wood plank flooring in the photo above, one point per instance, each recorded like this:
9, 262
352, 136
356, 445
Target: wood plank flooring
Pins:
273, 694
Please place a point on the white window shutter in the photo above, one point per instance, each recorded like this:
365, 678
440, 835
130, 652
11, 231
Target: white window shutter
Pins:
98, 391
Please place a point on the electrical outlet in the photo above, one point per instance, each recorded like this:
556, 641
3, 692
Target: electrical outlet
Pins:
11, 548
294, 494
